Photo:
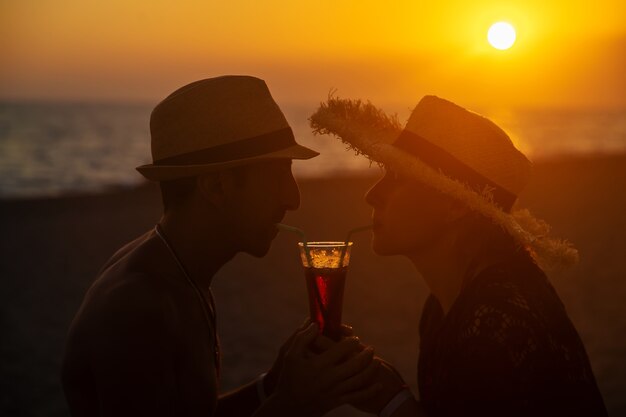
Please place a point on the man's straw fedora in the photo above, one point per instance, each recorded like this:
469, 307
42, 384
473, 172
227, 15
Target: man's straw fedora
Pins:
456, 152
215, 124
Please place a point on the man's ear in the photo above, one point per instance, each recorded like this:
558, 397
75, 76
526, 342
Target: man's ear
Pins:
211, 188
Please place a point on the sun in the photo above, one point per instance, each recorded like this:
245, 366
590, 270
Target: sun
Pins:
501, 35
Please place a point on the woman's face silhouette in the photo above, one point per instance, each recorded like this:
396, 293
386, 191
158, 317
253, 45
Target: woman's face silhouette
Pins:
408, 216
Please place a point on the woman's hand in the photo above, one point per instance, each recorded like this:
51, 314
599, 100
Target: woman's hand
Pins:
387, 377
391, 383
313, 383
320, 344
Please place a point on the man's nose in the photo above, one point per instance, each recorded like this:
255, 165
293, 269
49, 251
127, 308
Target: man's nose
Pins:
291, 194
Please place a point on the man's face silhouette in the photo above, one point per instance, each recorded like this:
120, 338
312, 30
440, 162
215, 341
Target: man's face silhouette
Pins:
259, 198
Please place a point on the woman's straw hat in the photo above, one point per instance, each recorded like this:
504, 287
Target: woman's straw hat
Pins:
215, 124
455, 151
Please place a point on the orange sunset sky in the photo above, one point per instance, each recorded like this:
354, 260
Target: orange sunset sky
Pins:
568, 53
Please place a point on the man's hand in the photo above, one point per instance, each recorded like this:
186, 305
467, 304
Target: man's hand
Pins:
271, 378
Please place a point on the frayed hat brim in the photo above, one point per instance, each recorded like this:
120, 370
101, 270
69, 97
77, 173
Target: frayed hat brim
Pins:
370, 132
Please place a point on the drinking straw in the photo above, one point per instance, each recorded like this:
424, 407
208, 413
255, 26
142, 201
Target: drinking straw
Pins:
292, 229
300, 233
347, 241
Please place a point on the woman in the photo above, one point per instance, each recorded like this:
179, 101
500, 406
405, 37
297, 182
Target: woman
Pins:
495, 338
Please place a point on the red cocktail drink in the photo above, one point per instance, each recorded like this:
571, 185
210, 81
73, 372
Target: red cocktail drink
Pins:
326, 266
325, 287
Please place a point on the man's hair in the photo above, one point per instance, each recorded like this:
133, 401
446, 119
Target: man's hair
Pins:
175, 192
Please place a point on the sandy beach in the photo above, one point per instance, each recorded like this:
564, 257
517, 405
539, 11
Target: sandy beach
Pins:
51, 249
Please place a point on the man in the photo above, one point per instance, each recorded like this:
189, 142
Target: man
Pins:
144, 340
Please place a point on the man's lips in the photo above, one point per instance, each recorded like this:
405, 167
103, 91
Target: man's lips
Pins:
279, 217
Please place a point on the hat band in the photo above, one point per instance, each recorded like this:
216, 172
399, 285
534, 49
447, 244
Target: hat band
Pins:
241, 149
440, 160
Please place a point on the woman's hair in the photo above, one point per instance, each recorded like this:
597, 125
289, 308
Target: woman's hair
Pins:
490, 239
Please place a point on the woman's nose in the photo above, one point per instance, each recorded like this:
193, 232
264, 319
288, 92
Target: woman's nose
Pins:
373, 197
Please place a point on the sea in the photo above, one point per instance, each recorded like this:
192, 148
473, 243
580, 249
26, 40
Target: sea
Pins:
52, 149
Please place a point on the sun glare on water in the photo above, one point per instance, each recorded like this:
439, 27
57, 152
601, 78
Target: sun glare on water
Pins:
501, 35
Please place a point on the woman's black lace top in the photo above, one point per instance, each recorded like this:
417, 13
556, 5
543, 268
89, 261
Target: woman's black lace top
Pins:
505, 348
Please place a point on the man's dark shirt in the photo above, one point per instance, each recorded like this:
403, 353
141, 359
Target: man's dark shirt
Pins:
140, 343
505, 348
